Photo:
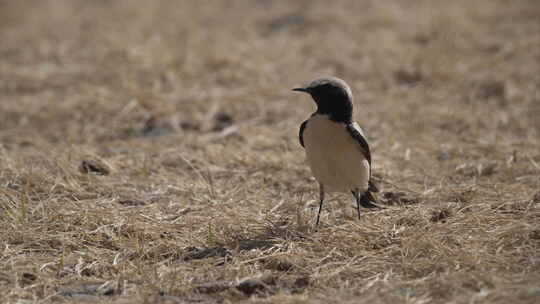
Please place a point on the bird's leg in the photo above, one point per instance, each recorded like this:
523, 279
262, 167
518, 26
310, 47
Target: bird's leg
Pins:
321, 197
357, 197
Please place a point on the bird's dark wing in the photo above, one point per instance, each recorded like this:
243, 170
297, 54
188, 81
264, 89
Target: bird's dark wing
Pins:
301, 132
356, 132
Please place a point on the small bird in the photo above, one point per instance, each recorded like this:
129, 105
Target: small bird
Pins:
336, 149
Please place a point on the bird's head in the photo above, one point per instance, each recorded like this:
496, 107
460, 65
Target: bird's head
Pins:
332, 96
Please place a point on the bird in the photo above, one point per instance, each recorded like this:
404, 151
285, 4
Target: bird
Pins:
336, 148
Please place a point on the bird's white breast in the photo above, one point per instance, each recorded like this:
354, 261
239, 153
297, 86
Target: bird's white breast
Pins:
335, 158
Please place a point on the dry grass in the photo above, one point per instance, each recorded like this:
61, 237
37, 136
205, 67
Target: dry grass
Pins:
149, 152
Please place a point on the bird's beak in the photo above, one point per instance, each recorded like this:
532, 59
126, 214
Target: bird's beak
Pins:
301, 90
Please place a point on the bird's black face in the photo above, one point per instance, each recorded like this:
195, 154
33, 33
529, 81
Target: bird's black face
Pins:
332, 99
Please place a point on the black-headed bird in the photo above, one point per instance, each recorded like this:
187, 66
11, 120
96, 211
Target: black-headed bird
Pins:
336, 148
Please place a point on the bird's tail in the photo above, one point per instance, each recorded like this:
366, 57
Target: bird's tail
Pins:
367, 200
372, 186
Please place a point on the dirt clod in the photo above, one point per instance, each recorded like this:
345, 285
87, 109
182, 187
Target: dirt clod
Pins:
440, 215
256, 284
195, 253
131, 202
92, 166
398, 198
222, 120
408, 77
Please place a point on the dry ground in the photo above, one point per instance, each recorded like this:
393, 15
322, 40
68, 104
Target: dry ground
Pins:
149, 152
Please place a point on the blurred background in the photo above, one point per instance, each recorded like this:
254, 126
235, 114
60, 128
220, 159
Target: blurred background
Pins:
95, 71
